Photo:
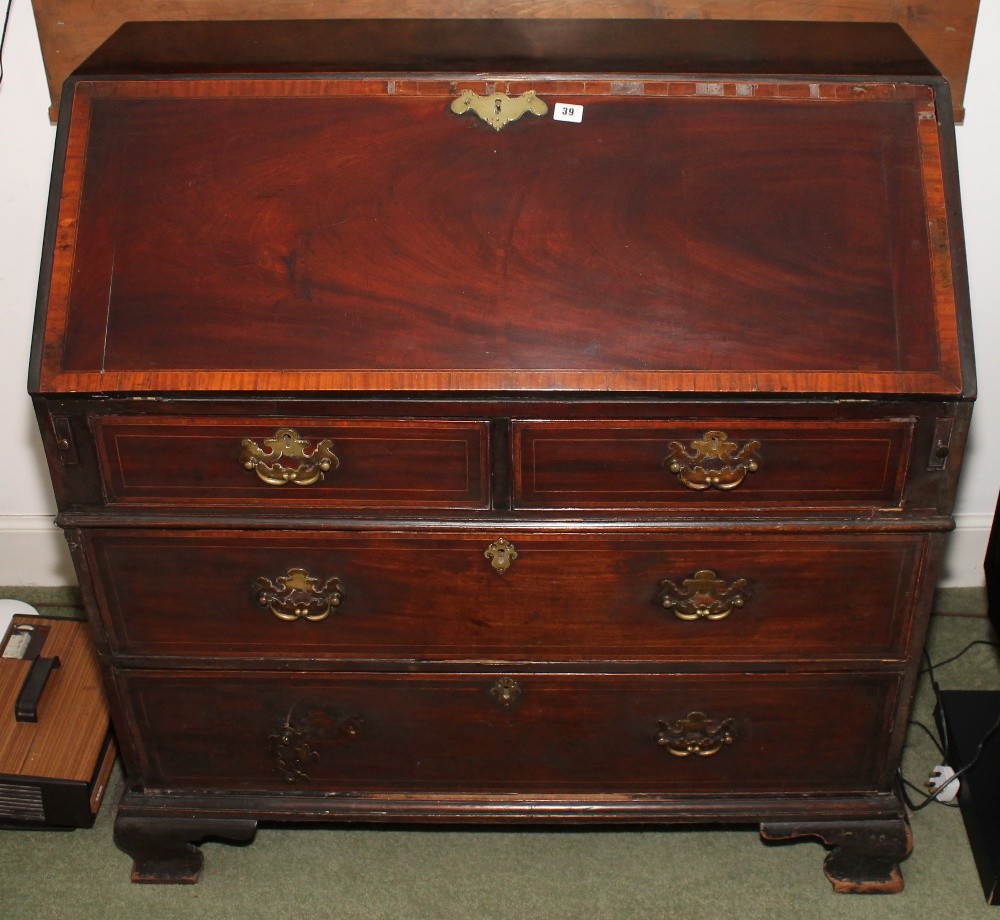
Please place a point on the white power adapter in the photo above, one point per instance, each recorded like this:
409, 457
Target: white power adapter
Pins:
942, 783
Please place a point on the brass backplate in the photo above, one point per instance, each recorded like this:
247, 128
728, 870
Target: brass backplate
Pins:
499, 109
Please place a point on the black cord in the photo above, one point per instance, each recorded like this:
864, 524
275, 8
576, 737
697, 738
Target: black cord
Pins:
944, 743
3, 35
930, 667
903, 783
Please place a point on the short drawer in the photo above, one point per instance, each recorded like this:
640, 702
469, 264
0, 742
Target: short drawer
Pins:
445, 596
510, 732
649, 465
346, 463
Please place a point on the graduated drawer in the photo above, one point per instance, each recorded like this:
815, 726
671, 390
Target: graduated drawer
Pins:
649, 465
436, 596
507, 733
340, 463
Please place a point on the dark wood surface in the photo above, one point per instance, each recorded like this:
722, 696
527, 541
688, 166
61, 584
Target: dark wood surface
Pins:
71, 29
626, 464
508, 335
508, 46
394, 463
915, 484
434, 597
506, 248
864, 858
564, 733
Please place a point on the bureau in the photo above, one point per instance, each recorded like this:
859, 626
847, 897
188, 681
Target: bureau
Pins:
506, 421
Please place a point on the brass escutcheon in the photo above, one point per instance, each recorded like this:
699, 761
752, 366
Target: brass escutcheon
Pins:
696, 734
713, 461
507, 692
501, 554
292, 753
703, 596
299, 596
499, 109
310, 462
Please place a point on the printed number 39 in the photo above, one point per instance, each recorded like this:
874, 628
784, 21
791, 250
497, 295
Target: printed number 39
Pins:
563, 112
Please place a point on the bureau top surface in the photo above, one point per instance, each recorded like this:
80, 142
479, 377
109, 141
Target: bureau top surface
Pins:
761, 222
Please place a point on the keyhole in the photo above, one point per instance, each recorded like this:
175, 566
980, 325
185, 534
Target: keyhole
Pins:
496, 105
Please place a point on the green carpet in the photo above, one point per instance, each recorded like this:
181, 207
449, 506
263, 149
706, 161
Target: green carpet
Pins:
360, 873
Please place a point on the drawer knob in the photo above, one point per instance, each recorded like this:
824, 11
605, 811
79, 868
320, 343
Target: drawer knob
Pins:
501, 554
703, 596
310, 463
713, 461
299, 596
507, 692
498, 109
695, 734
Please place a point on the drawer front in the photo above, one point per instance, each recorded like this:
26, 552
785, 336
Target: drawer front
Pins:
509, 733
775, 464
571, 597
294, 462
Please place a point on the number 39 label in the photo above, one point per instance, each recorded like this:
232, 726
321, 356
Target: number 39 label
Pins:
563, 112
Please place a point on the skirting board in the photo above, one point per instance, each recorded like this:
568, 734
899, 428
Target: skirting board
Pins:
33, 552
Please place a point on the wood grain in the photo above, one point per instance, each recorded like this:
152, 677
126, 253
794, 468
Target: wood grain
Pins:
625, 465
419, 732
73, 720
71, 29
765, 241
454, 257
395, 463
432, 596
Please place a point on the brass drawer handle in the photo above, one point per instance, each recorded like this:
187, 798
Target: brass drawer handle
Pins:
713, 461
696, 734
507, 692
292, 753
501, 554
311, 462
299, 596
703, 596
499, 109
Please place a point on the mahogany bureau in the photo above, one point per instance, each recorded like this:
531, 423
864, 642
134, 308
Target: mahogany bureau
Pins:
507, 421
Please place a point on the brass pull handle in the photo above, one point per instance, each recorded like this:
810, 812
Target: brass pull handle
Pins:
713, 461
310, 462
501, 554
299, 596
703, 596
507, 692
695, 734
292, 753
499, 109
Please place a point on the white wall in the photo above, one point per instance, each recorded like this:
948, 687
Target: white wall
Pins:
31, 551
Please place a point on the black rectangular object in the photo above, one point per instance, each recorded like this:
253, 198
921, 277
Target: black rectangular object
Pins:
969, 716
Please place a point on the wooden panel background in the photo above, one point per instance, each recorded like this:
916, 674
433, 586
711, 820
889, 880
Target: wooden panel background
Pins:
71, 29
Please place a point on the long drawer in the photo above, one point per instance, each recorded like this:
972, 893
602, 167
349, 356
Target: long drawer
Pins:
484, 732
451, 595
295, 462
647, 466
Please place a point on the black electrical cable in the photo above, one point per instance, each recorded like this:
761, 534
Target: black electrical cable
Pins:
3, 35
930, 667
942, 744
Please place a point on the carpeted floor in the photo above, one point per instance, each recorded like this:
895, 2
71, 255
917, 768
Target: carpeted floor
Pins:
361, 874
